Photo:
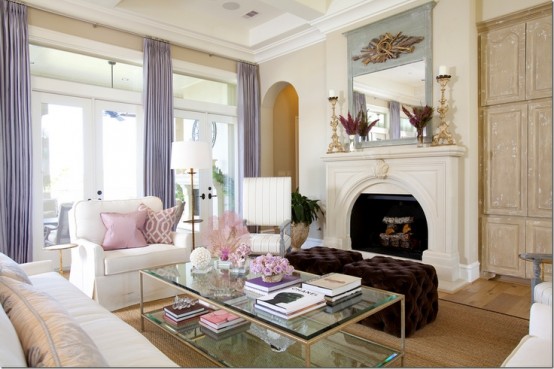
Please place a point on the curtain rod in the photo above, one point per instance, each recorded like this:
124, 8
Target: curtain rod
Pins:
95, 24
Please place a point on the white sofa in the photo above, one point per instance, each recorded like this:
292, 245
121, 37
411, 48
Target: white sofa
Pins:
115, 343
112, 277
535, 349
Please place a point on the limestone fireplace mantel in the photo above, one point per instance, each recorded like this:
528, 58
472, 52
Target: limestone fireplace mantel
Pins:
430, 174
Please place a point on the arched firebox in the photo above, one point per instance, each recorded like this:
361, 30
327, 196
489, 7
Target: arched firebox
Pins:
389, 225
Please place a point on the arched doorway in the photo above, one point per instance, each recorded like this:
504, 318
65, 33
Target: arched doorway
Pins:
279, 132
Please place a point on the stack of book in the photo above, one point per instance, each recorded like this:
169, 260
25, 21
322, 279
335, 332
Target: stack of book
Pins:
184, 316
340, 290
290, 302
257, 285
220, 321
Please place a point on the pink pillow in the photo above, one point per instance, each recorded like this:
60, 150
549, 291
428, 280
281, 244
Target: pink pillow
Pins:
123, 231
159, 224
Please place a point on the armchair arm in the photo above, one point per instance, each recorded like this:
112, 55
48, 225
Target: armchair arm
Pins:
87, 262
540, 321
183, 240
282, 227
37, 267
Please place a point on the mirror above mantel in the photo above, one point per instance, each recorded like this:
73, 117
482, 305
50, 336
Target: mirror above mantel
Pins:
387, 78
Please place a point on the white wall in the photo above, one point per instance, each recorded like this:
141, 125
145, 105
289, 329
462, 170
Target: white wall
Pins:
315, 70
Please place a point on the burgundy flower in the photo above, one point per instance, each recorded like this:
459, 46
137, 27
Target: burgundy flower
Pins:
420, 116
350, 124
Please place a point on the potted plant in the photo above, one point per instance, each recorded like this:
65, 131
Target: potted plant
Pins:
304, 212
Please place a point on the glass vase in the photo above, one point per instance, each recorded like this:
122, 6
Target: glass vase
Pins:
351, 143
420, 138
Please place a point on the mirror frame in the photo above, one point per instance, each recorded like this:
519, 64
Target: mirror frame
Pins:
414, 22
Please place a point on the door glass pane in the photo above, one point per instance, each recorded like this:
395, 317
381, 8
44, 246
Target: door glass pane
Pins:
224, 167
62, 166
119, 154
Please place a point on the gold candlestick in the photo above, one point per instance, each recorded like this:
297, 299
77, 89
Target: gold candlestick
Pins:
335, 144
443, 137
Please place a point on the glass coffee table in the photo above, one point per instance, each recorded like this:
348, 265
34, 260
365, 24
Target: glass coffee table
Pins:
316, 338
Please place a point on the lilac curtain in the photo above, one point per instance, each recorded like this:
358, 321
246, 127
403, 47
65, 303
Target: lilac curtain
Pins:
394, 107
248, 87
15, 134
359, 103
159, 179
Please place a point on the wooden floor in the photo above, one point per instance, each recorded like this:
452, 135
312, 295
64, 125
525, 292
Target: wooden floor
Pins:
505, 295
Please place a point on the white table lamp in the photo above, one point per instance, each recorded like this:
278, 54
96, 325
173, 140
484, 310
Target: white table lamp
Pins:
191, 155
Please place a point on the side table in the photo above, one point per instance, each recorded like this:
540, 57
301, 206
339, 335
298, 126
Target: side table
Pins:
538, 260
60, 248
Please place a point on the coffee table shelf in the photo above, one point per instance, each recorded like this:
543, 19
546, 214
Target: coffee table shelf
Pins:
314, 339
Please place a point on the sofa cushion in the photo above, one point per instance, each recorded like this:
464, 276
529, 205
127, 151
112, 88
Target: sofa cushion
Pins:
11, 352
124, 230
531, 352
160, 224
127, 260
9, 268
48, 334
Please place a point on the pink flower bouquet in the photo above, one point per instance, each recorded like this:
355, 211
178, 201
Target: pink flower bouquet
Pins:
228, 232
268, 265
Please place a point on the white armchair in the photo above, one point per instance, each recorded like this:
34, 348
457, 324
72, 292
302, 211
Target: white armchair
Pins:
267, 203
112, 277
535, 349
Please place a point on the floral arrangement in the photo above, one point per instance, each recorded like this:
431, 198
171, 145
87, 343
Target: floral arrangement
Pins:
239, 256
420, 116
364, 126
350, 124
268, 265
227, 233
200, 258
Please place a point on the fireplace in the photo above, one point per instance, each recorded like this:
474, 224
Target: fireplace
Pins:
392, 225
429, 175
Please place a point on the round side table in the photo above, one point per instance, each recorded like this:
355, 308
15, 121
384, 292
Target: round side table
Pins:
60, 248
538, 260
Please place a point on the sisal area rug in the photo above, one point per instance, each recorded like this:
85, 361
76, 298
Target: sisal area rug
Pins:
461, 336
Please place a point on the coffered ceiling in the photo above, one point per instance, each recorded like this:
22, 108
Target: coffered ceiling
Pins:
251, 30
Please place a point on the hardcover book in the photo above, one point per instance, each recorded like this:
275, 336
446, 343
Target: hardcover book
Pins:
182, 323
259, 284
345, 295
294, 314
220, 319
333, 284
349, 301
291, 299
183, 312
226, 333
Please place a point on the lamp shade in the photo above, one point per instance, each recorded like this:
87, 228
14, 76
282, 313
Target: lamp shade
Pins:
191, 154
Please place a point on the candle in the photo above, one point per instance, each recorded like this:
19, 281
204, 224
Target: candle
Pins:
332, 93
443, 70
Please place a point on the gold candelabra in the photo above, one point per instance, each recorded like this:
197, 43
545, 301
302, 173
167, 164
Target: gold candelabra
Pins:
443, 137
335, 145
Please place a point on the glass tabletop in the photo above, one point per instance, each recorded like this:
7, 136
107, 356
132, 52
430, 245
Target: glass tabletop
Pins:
223, 287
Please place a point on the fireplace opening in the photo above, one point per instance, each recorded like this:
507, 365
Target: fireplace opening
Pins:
389, 224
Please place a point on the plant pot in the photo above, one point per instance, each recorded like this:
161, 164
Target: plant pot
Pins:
298, 234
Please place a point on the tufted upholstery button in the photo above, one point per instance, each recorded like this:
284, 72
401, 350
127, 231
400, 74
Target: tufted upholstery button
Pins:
416, 281
322, 260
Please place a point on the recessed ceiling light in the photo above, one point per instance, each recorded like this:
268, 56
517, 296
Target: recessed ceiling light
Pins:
231, 5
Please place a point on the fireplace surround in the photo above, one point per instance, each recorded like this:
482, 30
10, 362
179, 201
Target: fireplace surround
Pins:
430, 174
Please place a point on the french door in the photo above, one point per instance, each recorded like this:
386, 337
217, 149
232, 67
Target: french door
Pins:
83, 149
214, 188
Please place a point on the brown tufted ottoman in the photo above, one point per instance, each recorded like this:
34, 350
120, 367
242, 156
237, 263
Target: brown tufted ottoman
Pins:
417, 281
322, 260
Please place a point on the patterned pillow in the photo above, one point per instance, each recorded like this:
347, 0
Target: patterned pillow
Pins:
10, 268
123, 230
159, 224
49, 336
